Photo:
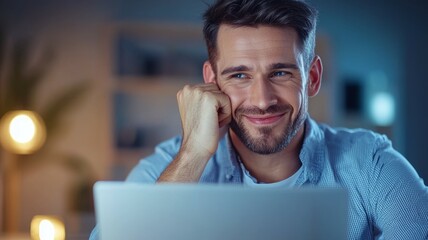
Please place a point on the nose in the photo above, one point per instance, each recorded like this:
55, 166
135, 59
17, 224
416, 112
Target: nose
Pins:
262, 94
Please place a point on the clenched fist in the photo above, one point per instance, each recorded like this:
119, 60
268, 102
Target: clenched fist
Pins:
204, 109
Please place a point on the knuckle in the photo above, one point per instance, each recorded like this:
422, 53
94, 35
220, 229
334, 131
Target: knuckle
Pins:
199, 92
186, 88
207, 97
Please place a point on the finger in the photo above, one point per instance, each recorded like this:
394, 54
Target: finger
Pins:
225, 120
206, 86
198, 90
224, 109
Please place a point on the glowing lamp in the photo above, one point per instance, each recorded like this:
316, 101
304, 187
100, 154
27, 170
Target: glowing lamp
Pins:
382, 109
47, 228
22, 132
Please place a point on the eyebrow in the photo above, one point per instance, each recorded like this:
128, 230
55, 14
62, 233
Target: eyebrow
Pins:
283, 65
243, 68
240, 68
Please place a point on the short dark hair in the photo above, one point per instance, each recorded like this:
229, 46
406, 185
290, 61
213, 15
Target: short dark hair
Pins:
281, 13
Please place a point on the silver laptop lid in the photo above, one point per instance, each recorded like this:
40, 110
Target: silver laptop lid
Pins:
190, 211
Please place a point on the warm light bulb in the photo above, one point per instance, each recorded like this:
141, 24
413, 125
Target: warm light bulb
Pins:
22, 132
46, 230
22, 128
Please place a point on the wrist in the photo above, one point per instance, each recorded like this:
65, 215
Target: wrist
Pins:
195, 152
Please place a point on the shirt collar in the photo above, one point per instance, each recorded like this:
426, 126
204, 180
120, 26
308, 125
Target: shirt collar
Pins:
312, 153
229, 159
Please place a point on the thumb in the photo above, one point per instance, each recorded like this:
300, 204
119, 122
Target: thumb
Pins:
224, 111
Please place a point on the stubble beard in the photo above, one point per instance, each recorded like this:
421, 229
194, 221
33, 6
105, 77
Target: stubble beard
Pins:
267, 142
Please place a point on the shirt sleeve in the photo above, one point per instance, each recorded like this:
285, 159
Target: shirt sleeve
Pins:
150, 168
95, 233
398, 196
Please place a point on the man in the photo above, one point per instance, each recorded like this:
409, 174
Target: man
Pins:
248, 124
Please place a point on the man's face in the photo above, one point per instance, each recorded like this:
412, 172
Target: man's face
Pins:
261, 70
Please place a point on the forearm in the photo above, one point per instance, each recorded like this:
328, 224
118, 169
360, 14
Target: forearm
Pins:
187, 166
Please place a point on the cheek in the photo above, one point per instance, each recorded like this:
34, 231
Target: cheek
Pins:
300, 104
294, 97
237, 97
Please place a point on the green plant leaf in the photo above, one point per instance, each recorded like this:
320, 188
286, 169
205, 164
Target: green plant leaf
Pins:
33, 78
20, 82
15, 77
59, 105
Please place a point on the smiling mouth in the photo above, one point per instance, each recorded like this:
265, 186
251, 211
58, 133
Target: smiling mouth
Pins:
264, 119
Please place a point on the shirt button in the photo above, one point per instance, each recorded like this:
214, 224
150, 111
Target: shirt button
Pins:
228, 176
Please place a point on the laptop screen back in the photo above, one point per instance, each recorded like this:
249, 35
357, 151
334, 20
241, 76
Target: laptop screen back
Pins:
190, 211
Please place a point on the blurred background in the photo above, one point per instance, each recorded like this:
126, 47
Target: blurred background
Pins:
102, 75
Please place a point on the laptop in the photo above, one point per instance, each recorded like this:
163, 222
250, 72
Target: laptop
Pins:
212, 212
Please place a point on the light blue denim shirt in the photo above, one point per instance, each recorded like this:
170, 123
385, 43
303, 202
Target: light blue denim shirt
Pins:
387, 198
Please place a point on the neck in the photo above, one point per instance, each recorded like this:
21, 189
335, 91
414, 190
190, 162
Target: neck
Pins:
274, 167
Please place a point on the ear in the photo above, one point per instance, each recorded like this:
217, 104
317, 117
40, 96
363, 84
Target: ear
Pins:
208, 72
315, 76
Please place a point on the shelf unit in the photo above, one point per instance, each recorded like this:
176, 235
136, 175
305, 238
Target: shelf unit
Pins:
150, 62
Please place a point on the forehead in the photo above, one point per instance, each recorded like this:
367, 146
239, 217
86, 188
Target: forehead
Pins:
256, 42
